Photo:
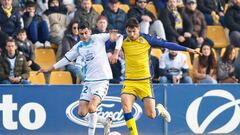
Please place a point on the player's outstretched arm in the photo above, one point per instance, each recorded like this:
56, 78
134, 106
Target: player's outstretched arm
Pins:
43, 70
193, 51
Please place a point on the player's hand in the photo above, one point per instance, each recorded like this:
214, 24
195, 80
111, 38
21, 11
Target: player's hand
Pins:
200, 40
194, 51
181, 39
146, 18
113, 59
113, 35
42, 70
187, 34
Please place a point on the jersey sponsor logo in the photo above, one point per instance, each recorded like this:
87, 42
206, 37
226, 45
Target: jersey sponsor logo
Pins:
111, 106
228, 126
89, 55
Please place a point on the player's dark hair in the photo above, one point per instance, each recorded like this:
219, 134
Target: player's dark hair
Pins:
83, 25
132, 23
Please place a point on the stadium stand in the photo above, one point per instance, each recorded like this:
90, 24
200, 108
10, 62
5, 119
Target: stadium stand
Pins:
218, 36
157, 52
98, 8
124, 7
60, 77
45, 57
151, 8
224, 49
36, 79
132, 2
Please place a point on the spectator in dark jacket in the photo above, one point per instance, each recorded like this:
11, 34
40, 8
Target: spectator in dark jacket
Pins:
101, 25
37, 28
213, 10
232, 19
13, 69
199, 24
116, 16
177, 25
148, 22
25, 47
86, 13
69, 40
10, 19
226, 66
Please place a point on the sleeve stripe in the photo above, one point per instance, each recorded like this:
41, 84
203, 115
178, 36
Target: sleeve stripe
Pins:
67, 58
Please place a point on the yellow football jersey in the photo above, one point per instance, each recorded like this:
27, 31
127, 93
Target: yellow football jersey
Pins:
137, 55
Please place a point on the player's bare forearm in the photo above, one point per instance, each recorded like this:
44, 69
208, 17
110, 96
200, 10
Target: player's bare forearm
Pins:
114, 57
42, 70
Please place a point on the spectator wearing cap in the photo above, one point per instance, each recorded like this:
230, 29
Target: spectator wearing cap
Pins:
148, 22
177, 25
116, 16
86, 13
205, 66
36, 27
213, 10
232, 20
198, 22
10, 19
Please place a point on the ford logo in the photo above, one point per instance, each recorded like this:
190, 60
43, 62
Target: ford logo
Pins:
111, 106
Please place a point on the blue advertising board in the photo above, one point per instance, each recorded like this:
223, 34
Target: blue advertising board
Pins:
203, 109
51, 110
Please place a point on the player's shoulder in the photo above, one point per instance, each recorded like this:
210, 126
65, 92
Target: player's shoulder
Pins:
99, 35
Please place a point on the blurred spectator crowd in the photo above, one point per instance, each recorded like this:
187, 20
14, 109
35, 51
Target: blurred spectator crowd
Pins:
35, 34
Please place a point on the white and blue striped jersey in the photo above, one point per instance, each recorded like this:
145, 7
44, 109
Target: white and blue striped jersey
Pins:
91, 57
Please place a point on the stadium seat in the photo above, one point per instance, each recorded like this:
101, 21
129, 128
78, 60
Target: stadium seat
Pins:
124, 7
98, 8
36, 79
224, 49
132, 2
60, 77
226, 7
151, 8
217, 34
45, 57
157, 52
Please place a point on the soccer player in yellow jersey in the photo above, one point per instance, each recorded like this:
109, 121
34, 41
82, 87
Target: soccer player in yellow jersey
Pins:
136, 48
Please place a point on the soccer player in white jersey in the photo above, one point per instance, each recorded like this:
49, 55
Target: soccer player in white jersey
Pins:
92, 58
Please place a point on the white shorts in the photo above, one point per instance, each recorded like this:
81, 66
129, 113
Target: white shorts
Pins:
98, 88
